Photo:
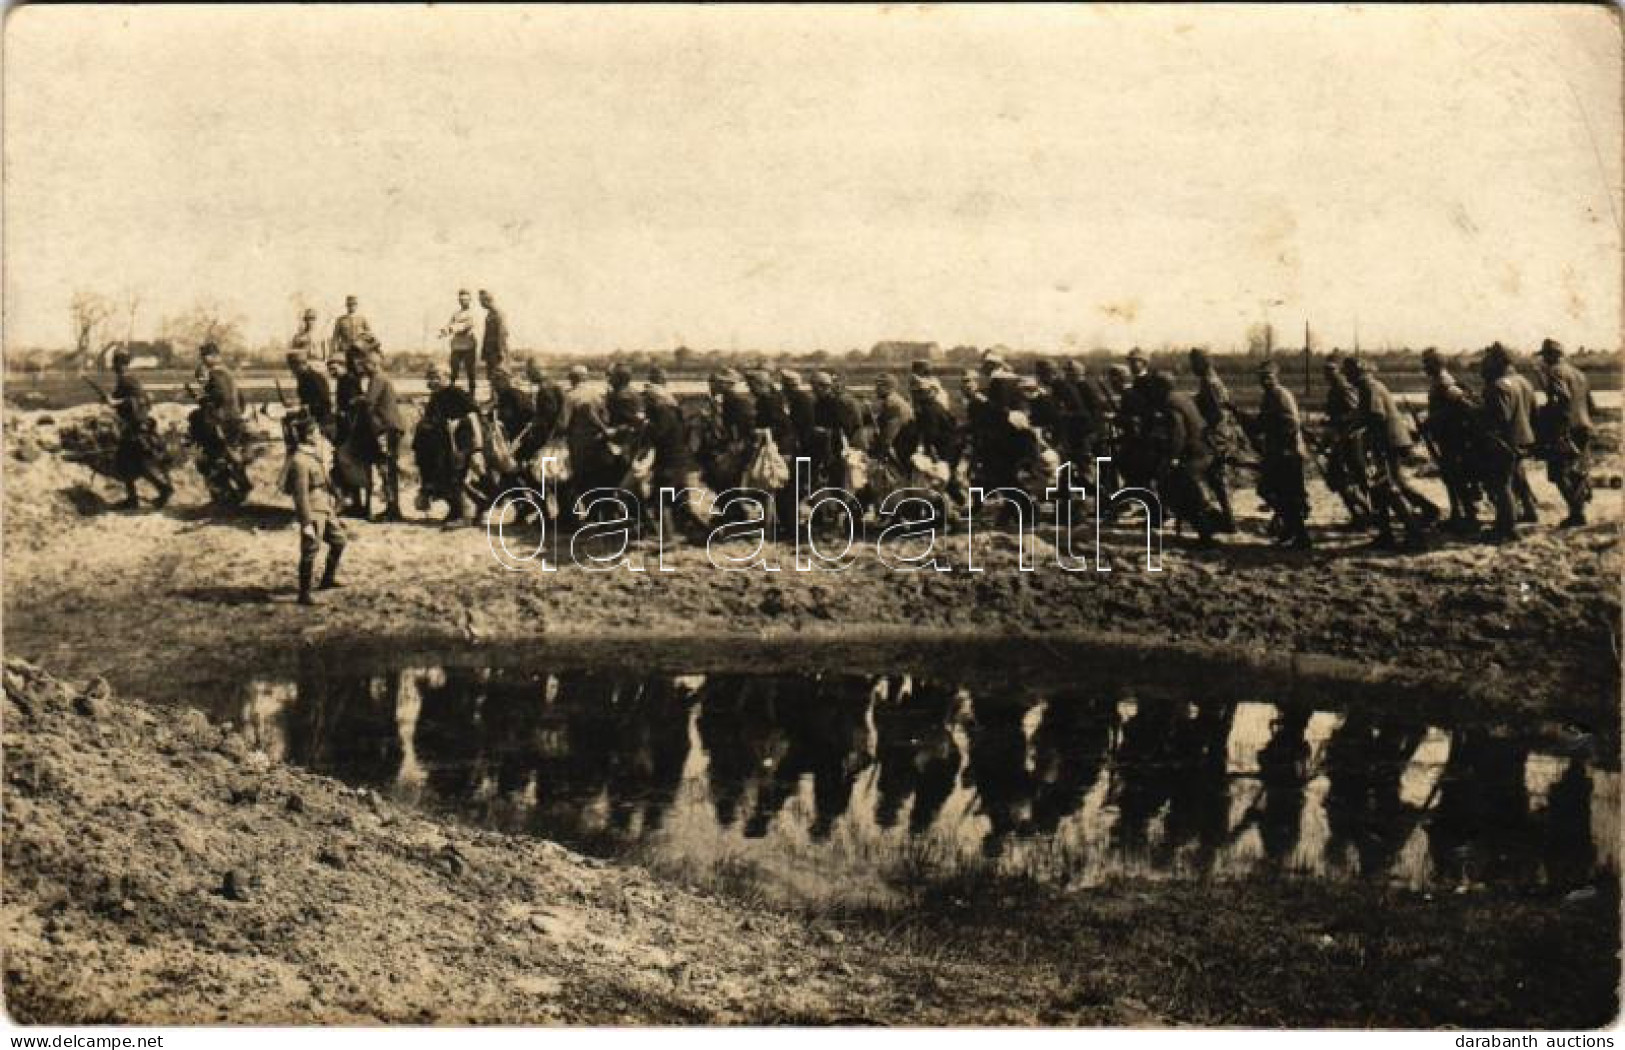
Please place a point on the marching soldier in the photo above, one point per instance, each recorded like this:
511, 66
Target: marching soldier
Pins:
802, 406
1213, 400
895, 439
546, 412
137, 456
1507, 429
1345, 460
1281, 448
315, 396
1182, 453
1449, 427
312, 494
1566, 431
382, 426
452, 412
1522, 494
1385, 437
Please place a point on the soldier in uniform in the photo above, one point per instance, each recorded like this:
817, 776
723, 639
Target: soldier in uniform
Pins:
451, 416
1182, 453
934, 421
379, 419
509, 405
584, 424
1507, 433
838, 421
315, 396
352, 335
1522, 494
1213, 401
1566, 431
459, 330
546, 410
895, 436
494, 347
306, 341
222, 401
137, 456
1449, 426
1345, 460
312, 496
1280, 437
733, 436
1385, 437
802, 406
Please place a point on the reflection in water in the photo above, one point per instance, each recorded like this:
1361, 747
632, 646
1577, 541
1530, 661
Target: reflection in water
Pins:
861, 787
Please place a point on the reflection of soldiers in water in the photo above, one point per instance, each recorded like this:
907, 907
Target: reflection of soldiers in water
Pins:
826, 724
650, 747
1145, 768
1199, 784
917, 754
448, 736
1480, 828
997, 768
739, 732
1070, 747
580, 727
1366, 759
1570, 857
345, 725
510, 720
1282, 777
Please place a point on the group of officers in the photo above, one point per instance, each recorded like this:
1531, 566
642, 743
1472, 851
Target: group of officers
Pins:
1005, 433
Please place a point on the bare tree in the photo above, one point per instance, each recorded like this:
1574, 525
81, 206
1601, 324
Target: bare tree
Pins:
90, 311
207, 321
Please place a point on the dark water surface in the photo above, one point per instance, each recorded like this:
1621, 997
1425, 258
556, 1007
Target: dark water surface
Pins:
843, 788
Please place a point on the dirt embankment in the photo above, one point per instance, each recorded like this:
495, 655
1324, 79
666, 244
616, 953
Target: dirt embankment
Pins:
158, 870
1532, 625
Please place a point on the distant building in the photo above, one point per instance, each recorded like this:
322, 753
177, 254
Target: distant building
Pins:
902, 350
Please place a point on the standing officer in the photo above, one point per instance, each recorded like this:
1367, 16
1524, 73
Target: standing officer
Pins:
460, 330
494, 347
1385, 437
352, 335
306, 341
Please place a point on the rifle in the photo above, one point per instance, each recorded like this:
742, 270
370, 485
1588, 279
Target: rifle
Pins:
1427, 437
99, 391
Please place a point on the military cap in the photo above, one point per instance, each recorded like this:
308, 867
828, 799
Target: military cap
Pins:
435, 372
920, 367
790, 377
822, 378
1137, 354
578, 372
1496, 352
208, 349
1268, 368
533, 369
121, 357
1430, 356
310, 311
1198, 354
657, 375
1551, 348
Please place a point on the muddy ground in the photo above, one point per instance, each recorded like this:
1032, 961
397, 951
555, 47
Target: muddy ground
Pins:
157, 869
132, 830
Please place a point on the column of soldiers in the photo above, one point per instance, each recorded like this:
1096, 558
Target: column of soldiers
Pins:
1005, 433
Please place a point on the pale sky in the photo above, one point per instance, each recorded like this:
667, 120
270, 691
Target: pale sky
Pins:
819, 177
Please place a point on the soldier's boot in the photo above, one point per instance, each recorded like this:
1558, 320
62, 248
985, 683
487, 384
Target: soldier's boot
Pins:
131, 500
330, 571
166, 492
307, 569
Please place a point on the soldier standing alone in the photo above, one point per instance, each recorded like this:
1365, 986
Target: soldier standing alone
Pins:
313, 503
1566, 431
